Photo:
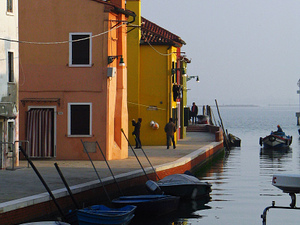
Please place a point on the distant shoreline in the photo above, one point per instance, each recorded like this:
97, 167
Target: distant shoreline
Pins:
238, 105
269, 105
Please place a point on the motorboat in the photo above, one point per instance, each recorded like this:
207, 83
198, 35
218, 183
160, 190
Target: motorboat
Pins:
100, 214
183, 185
149, 205
288, 183
276, 139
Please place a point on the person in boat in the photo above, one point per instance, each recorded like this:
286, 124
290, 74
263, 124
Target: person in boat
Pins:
170, 129
136, 132
279, 130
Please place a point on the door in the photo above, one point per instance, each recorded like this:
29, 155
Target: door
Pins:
40, 132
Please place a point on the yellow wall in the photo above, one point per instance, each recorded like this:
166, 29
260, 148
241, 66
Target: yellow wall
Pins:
133, 65
149, 83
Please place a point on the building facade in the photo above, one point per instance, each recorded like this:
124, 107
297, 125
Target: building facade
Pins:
73, 90
9, 73
154, 77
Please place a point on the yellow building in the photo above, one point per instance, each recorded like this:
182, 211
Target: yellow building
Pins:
154, 77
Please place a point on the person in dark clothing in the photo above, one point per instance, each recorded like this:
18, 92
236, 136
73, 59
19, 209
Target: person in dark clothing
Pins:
194, 112
170, 129
279, 129
136, 132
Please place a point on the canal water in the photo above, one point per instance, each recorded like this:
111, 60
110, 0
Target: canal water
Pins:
241, 180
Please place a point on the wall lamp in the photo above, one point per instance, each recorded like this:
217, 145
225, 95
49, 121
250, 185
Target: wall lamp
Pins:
191, 77
182, 70
110, 59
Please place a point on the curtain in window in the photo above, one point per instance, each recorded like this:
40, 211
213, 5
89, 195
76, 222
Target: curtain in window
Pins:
40, 133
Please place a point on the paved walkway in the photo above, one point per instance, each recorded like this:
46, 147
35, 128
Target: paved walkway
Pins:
23, 182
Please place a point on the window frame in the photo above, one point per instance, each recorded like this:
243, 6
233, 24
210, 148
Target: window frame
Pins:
10, 6
70, 104
71, 49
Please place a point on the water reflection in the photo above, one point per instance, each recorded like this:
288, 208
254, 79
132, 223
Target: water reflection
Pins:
187, 210
275, 153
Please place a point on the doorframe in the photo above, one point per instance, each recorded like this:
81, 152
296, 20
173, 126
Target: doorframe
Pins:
54, 125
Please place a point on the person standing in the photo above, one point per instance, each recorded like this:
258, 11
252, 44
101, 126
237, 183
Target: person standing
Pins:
194, 112
136, 132
170, 129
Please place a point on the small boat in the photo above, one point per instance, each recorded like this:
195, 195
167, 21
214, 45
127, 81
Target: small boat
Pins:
288, 183
149, 205
276, 139
183, 185
46, 223
100, 214
234, 141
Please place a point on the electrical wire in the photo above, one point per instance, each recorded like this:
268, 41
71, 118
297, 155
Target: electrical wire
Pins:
144, 105
61, 42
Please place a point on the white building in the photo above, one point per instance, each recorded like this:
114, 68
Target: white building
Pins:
9, 75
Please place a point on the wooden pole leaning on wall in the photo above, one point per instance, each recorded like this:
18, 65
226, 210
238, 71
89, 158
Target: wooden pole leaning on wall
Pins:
227, 146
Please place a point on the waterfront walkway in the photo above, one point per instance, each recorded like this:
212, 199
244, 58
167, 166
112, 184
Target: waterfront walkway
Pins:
21, 187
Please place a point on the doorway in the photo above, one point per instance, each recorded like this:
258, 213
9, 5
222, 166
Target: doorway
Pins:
40, 132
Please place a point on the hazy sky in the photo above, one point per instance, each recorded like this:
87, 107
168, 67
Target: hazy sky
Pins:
244, 51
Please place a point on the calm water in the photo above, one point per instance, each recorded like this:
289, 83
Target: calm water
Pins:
241, 180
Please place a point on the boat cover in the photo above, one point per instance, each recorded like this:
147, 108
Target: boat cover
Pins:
179, 179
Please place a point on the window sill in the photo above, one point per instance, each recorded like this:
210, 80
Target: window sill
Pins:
80, 66
77, 136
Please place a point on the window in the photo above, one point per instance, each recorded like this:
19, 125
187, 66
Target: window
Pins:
80, 49
9, 6
80, 117
11, 67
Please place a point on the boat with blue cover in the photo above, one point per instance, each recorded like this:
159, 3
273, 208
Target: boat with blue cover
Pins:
276, 140
101, 215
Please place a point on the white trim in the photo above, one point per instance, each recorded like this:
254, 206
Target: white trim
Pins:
54, 132
69, 118
70, 50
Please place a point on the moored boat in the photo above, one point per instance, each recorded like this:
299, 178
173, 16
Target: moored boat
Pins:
100, 214
288, 183
149, 205
183, 185
276, 139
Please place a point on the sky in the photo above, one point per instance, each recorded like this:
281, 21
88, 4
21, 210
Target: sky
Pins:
244, 51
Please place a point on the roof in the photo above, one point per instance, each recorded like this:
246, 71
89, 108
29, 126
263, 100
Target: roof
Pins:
117, 8
156, 35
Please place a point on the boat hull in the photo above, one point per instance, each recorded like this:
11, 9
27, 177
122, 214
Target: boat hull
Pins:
289, 183
187, 191
149, 205
276, 141
46, 223
100, 214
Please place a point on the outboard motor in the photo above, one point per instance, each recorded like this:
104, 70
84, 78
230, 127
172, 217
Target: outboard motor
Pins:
153, 187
